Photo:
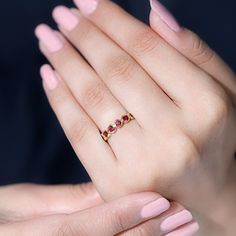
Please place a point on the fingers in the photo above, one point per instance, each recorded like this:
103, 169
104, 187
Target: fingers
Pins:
38, 200
188, 229
130, 84
105, 220
79, 128
124, 213
88, 89
192, 47
152, 228
113, 218
80, 78
171, 71
175, 219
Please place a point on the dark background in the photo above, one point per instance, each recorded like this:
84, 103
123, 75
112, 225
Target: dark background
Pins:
33, 147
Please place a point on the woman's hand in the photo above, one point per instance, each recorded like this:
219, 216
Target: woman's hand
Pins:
192, 47
182, 141
22, 202
79, 210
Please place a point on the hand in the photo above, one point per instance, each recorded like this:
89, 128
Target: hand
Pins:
22, 202
193, 48
169, 147
79, 210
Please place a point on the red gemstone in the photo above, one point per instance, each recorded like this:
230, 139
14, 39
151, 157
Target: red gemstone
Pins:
118, 123
125, 118
105, 134
111, 129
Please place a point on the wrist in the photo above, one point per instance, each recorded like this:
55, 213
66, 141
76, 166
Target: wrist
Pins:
220, 218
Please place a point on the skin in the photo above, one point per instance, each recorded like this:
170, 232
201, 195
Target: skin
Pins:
182, 96
65, 210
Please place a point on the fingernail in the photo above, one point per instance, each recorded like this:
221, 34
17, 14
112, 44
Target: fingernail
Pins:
188, 230
87, 7
48, 75
155, 208
176, 220
64, 17
165, 15
49, 38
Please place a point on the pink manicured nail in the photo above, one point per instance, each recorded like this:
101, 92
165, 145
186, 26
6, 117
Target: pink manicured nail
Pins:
64, 17
87, 7
176, 220
165, 15
155, 208
188, 230
49, 38
48, 75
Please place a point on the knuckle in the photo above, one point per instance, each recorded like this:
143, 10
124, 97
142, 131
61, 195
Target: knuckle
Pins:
218, 108
120, 221
121, 68
119, 218
200, 51
59, 100
94, 95
82, 34
144, 42
186, 150
64, 228
69, 65
77, 132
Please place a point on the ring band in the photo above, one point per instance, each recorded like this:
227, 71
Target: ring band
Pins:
119, 123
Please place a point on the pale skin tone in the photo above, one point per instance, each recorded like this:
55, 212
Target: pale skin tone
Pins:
182, 142
65, 210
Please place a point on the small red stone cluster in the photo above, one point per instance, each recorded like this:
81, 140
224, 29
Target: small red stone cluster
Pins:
117, 125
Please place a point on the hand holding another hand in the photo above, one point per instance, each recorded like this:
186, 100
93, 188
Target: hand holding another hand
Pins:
79, 210
180, 92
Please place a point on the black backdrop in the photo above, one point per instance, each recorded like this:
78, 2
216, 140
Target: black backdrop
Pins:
33, 147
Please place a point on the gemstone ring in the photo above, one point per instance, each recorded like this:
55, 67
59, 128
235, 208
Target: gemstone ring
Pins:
119, 123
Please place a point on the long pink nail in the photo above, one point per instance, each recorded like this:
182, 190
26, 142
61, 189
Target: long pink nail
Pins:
48, 75
155, 208
176, 220
64, 17
49, 38
87, 7
188, 230
165, 15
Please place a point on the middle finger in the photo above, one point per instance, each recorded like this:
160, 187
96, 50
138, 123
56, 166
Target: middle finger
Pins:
130, 84
175, 74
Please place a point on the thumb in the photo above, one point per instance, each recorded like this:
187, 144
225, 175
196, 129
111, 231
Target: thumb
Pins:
68, 198
104, 220
38, 200
191, 46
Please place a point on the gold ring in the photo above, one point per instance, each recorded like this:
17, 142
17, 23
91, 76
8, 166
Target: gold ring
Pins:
119, 123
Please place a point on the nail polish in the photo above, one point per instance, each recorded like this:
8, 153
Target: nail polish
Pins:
48, 75
176, 220
49, 38
64, 17
165, 15
155, 208
87, 7
188, 230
